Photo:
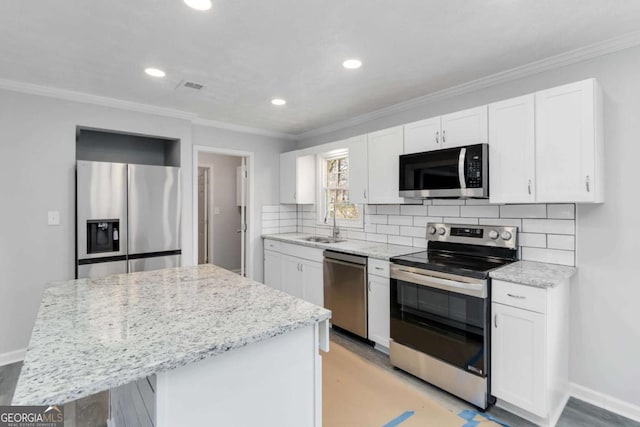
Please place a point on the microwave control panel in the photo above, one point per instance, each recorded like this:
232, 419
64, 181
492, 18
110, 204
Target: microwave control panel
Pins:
473, 167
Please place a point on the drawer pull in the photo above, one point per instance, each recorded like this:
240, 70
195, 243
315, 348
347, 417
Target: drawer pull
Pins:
379, 268
517, 296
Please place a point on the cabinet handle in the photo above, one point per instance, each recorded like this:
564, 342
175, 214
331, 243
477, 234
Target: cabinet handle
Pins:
517, 296
364, 193
438, 137
294, 195
379, 268
369, 285
301, 268
495, 320
588, 186
444, 136
529, 187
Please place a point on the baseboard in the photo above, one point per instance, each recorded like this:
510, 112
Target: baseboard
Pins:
12, 357
604, 401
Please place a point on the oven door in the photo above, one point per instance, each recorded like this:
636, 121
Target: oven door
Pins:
452, 172
444, 318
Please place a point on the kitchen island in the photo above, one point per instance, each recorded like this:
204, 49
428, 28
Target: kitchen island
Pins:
182, 346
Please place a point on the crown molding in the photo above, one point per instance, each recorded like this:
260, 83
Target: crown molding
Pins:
83, 97
557, 61
243, 129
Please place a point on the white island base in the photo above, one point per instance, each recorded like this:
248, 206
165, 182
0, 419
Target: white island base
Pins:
275, 382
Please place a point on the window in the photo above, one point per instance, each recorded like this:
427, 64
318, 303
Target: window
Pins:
334, 192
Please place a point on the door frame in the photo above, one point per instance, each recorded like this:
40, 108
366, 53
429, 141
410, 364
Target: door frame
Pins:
251, 207
209, 199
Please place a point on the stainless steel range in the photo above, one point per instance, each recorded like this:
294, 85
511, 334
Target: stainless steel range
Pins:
440, 307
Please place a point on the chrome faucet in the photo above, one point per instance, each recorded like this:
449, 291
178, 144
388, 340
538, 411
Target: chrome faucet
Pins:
335, 231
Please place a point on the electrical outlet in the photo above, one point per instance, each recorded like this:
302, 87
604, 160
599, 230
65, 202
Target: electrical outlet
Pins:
53, 218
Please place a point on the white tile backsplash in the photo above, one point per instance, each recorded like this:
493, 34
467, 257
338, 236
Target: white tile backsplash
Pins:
546, 232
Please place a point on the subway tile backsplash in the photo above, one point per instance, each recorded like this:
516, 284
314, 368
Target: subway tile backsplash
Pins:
546, 231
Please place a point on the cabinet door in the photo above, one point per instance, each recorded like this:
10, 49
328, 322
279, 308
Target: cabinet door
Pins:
512, 150
288, 169
305, 190
379, 309
292, 276
358, 169
518, 352
422, 136
273, 269
465, 127
565, 143
384, 149
313, 282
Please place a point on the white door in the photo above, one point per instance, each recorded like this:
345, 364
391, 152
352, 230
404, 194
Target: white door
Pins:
565, 143
288, 177
358, 169
292, 276
273, 269
512, 150
424, 135
312, 278
518, 354
465, 127
379, 310
384, 149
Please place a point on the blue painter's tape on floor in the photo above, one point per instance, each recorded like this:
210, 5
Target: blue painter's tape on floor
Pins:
399, 419
470, 416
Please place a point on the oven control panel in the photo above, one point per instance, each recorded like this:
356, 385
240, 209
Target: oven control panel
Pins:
487, 235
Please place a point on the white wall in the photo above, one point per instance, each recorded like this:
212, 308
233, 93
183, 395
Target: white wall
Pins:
37, 159
223, 238
605, 325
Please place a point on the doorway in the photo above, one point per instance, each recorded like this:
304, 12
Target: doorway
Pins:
223, 209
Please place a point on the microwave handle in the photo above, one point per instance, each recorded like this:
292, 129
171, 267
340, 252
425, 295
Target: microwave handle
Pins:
461, 168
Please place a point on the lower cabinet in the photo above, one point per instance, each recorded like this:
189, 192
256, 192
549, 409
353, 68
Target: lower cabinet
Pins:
378, 302
529, 350
300, 276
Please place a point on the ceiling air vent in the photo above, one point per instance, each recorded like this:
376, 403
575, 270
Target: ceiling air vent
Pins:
190, 85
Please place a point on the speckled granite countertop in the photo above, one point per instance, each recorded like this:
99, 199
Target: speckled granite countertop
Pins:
538, 274
377, 250
93, 335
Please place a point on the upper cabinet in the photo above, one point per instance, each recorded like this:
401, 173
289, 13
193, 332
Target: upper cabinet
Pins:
424, 135
465, 127
297, 178
512, 150
358, 169
383, 151
569, 143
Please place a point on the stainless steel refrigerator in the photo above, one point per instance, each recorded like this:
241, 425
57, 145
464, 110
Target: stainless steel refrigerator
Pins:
127, 218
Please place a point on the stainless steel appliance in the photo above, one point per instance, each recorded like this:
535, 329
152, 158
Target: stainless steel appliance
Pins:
345, 291
440, 307
460, 172
127, 218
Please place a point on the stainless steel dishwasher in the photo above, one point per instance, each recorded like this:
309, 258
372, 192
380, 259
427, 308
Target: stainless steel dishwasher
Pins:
345, 291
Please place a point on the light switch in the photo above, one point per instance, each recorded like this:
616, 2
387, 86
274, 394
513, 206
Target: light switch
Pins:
53, 217
216, 211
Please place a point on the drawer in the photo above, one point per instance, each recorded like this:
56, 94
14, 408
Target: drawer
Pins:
379, 267
301, 251
519, 296
272, 245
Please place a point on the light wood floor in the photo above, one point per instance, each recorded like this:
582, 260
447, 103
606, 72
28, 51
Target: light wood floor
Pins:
90, 411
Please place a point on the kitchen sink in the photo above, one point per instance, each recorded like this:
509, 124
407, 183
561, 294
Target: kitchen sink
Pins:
321, 239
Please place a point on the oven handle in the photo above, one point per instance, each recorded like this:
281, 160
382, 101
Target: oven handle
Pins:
471, 289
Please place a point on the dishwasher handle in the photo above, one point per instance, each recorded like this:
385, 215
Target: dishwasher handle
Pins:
341, 256
346, 264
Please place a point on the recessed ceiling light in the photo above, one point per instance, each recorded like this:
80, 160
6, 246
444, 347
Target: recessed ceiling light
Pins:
155, 72
352, 64
278, 101
199, 4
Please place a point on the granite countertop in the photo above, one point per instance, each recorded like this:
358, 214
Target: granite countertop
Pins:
93, 335
538, 274
377, 250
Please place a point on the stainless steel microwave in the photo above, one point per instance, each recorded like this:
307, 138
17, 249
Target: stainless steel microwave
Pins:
459, 172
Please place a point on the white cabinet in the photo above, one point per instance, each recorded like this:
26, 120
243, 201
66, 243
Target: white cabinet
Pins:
569, 146
424, 135
297, 178
512, 150
313, 282
378, 302
358, 169
384, 148
529, 350
292, 276
273, 269
465, 127
518, 357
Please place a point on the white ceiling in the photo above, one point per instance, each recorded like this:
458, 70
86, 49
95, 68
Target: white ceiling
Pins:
247, 51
